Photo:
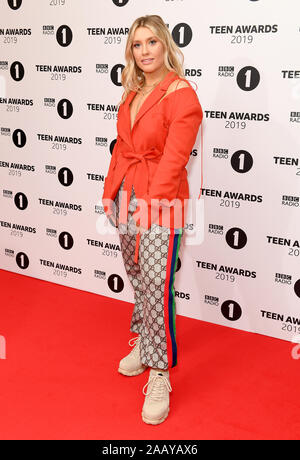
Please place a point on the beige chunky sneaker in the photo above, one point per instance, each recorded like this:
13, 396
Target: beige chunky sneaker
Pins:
131, 364
156, 406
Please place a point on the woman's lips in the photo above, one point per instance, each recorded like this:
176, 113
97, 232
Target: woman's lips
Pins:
147, 61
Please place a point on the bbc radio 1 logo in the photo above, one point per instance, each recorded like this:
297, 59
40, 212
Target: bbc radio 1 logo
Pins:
17, 71
236, 238
297, 288
66, 240
22, 260
247, 79
64, 107
64, 35
64, 175
120, 2
111, 146
116, 74
19, 138
14, 4
231, 310
115, 283
241, 160
182, 34
21, 201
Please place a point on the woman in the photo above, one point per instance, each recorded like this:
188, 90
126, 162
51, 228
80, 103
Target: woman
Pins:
145, 193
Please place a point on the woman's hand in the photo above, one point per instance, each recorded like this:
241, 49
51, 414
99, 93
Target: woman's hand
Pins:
140, 229
112, 220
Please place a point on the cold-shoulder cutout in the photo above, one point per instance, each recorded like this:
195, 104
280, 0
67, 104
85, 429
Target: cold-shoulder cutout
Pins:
175, 86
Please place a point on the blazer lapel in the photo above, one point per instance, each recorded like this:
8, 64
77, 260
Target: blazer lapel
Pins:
126, 124
152, 99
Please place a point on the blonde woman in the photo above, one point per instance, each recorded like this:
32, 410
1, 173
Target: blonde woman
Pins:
145, 194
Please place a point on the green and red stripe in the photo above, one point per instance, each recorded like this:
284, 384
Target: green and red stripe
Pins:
169, 296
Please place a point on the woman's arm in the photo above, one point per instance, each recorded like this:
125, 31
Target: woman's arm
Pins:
108, 207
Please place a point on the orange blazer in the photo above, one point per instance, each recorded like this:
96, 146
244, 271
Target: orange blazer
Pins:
153, 156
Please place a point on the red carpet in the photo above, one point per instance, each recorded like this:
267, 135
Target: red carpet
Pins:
60, 381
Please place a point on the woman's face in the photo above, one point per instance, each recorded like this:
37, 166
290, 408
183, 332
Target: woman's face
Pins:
147, 50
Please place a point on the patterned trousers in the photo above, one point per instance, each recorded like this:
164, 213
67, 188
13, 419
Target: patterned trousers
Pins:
152, 279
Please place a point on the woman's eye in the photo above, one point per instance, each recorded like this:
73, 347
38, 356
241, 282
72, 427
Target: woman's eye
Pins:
151, 41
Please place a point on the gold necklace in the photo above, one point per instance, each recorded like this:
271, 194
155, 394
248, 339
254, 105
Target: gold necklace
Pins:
144, 93
149, 90
151, 86
139, 104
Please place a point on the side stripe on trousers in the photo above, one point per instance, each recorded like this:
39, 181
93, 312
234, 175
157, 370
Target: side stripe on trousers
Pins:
169, 296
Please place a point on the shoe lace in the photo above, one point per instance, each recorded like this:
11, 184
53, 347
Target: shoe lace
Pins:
160, 383
134, 341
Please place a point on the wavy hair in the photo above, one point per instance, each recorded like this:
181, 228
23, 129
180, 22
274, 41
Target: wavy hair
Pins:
132, 76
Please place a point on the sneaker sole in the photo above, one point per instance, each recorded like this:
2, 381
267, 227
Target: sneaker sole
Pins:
132, 373
155, 422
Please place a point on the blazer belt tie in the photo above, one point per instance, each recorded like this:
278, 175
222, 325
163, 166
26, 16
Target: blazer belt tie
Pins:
141, 160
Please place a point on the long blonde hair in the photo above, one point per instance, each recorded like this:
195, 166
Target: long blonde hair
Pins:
132, 76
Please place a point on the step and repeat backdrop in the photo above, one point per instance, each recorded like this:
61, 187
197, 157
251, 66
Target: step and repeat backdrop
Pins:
60, 83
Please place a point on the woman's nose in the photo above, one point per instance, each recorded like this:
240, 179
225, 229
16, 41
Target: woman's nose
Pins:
145, 49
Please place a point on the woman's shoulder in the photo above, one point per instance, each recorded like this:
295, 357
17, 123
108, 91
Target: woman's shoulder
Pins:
177, 84
187, 96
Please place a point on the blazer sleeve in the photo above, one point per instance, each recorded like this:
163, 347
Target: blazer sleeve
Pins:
180, 141
108, 179
113, 162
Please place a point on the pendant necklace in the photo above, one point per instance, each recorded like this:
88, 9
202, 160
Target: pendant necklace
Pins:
144, 93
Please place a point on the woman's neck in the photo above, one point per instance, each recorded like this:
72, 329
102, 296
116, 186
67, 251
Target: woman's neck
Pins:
153, 77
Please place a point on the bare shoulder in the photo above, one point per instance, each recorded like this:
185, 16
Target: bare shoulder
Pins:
177, 84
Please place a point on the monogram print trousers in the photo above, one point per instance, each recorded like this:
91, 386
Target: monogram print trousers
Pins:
152, 279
